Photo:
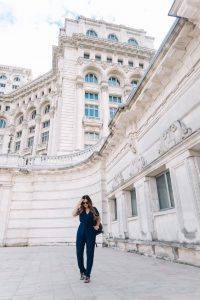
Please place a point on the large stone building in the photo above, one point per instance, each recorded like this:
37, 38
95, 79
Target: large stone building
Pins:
11, 78
95, 66
143, 174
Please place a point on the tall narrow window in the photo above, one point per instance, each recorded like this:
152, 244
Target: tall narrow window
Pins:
133, 203
114, 209
45, 137
112, 111
30, 142
21, 118
33, 115
2, 123
17, 146
165, 193
47, 109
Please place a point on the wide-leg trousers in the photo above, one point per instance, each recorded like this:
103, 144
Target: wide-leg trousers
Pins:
85, 237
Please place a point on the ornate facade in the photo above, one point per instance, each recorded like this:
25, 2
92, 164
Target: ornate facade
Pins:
143, 175
11, 78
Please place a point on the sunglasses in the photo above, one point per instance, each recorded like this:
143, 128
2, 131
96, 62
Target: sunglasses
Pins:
85, 202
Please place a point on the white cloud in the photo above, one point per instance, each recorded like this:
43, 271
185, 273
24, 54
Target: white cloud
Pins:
30, 28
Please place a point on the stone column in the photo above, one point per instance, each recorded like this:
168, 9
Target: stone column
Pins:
122, 213
50, 143
145, 217
5, 199
37, 133
105, 108
79, 114
11, 143
185, 184
24, 135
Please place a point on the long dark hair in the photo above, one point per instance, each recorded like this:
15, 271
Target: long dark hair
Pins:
90, 205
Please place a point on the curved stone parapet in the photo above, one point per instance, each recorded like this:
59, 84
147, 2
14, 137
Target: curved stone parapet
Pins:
48, 162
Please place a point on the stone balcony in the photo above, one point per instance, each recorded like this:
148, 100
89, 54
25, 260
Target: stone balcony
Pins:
48, 162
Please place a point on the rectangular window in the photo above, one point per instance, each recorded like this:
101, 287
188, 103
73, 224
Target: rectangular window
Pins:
7, 108
18, 134
130, 63
2, 85
17, 146
14, 87
120, 62
165, 193
133, 203
112, 111
98, 57
115, 99
86, 55
45, 137
141, 66
91, 111
91, 96
30, 142
32, 129
109, 60
46, 124
91, 136
114, 209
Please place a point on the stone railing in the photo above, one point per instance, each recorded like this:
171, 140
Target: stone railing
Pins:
48, 162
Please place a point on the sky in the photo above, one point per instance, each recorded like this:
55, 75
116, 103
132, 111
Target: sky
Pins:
29, 28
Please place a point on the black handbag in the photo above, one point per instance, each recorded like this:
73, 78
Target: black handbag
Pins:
100, 230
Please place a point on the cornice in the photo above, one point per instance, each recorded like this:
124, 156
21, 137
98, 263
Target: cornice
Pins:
79, 40
50, 76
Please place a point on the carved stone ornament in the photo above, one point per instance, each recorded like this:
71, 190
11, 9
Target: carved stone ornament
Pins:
131, 142
173, 135
117, 180
137, 165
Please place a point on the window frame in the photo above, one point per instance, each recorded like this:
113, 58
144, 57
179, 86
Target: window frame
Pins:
91, 32
91, 78
90, 108
171, 202
113, 37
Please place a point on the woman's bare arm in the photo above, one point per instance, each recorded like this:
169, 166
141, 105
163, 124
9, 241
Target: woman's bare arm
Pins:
76, 208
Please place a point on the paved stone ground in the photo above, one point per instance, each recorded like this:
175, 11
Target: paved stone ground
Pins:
51, 273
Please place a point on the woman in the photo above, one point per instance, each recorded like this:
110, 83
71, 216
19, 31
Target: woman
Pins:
88, 216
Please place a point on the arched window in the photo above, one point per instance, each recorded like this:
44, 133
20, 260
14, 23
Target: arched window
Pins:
20, 120
134, 83
113, 81
47, 109
91, 78
2, 123
33, 115
91, 33
132, 42
112, 37
3, 76
17, 78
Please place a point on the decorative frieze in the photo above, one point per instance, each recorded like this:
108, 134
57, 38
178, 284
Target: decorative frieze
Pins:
117, 180
173, 135
137, 165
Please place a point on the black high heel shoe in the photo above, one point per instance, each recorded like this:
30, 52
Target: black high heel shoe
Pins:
82, 276
87, 279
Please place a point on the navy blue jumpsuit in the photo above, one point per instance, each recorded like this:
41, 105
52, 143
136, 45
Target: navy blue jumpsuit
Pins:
86, 235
